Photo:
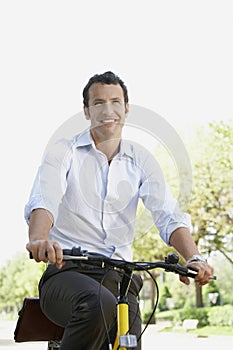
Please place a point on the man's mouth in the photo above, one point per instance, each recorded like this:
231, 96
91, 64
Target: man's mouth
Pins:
107, 121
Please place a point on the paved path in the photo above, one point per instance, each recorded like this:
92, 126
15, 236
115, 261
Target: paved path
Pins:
169, 341
7, 339
151, 340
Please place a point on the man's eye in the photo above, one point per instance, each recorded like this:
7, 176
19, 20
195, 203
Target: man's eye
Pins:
117, 103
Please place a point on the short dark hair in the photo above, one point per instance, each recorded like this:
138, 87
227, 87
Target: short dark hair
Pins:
105, 78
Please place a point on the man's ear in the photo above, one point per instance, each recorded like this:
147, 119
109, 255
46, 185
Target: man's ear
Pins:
86, 112
126, 110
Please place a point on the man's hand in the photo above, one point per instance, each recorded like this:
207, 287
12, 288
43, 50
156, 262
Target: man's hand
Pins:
205, 271
46, 250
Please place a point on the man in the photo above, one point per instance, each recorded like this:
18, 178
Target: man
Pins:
86, 194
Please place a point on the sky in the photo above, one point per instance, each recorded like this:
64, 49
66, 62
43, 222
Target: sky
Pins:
174, 56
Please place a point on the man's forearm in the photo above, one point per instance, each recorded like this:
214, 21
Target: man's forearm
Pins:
41, 221
182, 240
41, 248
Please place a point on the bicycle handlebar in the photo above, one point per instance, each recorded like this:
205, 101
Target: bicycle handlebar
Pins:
170, 264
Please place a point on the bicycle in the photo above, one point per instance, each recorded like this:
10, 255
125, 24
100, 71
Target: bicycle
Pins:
124, 340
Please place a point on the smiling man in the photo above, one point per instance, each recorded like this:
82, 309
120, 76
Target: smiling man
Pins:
106, 109
86, 195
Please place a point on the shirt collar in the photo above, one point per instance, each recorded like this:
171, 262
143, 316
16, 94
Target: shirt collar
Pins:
126, 148
85, 139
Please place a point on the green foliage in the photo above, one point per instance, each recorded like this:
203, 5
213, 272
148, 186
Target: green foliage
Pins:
165, 294
212, 195
212, 287
221, 315
212, 320
212, 294
224, 282
210, 208
168, 315
182, 295
18, 279
211, 200
212, 316
148, 245
147, 317
201, 314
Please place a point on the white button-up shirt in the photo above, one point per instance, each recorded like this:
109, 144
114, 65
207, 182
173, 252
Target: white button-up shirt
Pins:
94, 204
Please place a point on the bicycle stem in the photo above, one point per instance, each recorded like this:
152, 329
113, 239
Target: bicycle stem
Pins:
123, 308
125, 283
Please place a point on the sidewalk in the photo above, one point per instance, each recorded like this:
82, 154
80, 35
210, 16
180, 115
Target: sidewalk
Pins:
151, 340
184, 341
7, 339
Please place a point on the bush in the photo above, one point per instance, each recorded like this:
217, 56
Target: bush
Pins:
212, 294
221, 315
201, 314
170, 315
163, 306
146, 315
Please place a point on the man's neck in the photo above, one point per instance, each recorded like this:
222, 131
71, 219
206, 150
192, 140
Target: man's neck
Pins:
109, 147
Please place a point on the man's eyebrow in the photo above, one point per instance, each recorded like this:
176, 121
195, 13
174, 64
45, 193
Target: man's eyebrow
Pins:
98, 100
116, 99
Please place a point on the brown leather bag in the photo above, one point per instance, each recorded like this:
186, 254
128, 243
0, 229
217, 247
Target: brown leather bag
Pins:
33, 325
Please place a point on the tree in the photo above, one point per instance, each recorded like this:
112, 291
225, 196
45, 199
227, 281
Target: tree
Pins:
18, 279
211, 200
212, 195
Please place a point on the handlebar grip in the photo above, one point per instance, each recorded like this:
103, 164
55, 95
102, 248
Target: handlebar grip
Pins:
192, 273
184, 271
31, 256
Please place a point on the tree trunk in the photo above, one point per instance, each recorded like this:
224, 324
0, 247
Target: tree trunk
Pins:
199, 300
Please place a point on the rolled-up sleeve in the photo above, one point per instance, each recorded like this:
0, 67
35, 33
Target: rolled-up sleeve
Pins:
158, 199
50, 182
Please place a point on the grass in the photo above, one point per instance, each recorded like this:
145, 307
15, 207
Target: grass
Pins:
213, 330
202, 332
205, 331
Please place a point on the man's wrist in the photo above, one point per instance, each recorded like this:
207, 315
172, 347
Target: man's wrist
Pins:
196, 257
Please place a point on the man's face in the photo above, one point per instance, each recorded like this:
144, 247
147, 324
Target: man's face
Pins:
106, 110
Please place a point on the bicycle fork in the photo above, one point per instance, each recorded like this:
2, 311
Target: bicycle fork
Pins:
124, 340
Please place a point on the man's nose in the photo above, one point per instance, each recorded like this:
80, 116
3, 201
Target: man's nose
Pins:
108, 109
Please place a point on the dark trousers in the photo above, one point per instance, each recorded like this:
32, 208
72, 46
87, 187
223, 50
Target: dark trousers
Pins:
83, 300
